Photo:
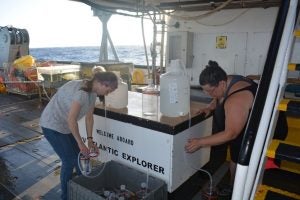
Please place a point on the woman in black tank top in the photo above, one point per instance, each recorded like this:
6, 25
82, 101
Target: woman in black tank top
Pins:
233, 97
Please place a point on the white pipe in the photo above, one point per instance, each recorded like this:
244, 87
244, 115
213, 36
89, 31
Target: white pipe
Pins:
239, 182
243, 183
269, 106
283, 75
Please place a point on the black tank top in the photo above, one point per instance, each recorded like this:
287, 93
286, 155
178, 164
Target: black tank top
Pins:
219, 112
219, 115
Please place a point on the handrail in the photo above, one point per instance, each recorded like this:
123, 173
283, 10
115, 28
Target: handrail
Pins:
259, 102
270, 112
264, 83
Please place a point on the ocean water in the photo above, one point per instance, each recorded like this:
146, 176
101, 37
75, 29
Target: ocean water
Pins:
133, 54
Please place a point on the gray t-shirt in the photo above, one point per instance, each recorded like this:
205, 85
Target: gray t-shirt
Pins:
56, 112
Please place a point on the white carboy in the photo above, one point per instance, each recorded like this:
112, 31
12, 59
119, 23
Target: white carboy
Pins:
118, 98
175, 91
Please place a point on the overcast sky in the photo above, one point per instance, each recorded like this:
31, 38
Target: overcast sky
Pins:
65, 23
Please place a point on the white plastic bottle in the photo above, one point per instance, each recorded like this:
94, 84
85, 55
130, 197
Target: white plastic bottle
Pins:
119, 98
124, 193
106, 194
175, 91
142, 193
84, 164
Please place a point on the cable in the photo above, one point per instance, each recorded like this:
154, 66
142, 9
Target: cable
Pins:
144, 42
223, 5
185, 154
224, 23
203, 170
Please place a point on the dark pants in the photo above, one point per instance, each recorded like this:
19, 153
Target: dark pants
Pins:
67, 149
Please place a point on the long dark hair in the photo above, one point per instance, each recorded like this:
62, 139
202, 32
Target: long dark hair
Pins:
212, 74
106, 78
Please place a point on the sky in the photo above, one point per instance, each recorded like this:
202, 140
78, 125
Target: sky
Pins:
65, 23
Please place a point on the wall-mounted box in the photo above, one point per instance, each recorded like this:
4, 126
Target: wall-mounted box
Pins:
180, 46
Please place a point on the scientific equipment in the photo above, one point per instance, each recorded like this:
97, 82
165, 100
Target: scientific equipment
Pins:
124, 193
150, 96
84, 164
89, 164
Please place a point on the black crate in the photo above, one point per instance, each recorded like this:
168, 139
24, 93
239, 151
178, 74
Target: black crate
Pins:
114, 175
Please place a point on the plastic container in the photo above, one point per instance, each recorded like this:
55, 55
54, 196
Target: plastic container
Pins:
119, 98
113, 176
209, 194
90, 164
125, 193
142, 193
150, 96
85, 165
175, 91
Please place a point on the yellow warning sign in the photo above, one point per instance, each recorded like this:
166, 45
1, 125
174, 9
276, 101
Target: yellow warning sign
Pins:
221, 42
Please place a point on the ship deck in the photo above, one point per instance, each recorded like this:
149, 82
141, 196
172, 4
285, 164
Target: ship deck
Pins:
29, 167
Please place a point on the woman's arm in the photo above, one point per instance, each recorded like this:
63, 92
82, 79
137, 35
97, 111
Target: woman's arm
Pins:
237, 109
89, 122
209, 108
73, 125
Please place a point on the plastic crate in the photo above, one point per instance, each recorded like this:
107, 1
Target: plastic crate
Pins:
114, 175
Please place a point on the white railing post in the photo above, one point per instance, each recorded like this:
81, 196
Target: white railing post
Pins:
270, 102
245, 175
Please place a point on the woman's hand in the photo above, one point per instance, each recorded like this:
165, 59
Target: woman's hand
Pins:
209, 108
193, 145
205, 110
83, 148
94, 151
91, 144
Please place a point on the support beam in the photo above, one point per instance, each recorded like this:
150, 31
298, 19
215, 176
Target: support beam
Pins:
104, 17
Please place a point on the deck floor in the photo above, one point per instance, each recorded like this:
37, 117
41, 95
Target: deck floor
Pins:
29, 167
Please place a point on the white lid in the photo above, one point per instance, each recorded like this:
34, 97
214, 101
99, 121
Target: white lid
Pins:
143, 185
122, 187
106, 193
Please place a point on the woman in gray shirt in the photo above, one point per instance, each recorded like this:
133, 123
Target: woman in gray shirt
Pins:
72, 101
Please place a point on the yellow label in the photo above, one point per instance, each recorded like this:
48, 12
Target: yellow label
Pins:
221, 42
